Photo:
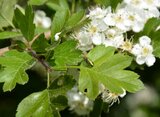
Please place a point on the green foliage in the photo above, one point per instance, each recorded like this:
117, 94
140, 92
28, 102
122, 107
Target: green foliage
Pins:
58, 91
58, 5
6, 12
75, 18
40, 44
110, 73
66, 54
35, 105
112, 3
25, 22
99, 54
37, 2
7, 34
59, 21
15, 63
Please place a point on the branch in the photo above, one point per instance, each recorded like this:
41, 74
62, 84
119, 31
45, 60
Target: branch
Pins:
42, 61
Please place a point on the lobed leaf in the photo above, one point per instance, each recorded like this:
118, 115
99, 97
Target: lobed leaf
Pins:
111, 73
99, 54
15, 63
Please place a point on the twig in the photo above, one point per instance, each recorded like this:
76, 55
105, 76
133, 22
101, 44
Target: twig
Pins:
42, 61
33, 40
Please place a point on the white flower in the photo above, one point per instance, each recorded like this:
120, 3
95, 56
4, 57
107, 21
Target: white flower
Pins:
111, 98
127, 45
57, 36
84, 39
143, 51
151, 3
114, 37
136, 18
98, 12
98, 38
79, 102
41, 19
136, 3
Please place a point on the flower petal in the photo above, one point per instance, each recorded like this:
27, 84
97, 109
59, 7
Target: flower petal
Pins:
140, 59
150, 60
136, 50
144, 40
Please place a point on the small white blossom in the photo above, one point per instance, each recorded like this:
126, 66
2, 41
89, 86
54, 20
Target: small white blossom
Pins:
143, 51
40, 19
111, 98
114, 37
84, 39
127, 45
98, 38
57, 36
98, 12
78, 102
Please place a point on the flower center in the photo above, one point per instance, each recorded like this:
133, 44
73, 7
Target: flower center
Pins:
93, 29
145, 51
127, 45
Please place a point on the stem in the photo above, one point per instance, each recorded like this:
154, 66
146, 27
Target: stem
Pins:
42, 61
73, 6
48, 79
33, 40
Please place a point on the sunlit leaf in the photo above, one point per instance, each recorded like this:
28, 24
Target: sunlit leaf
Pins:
15, 63
112, 74
67, 54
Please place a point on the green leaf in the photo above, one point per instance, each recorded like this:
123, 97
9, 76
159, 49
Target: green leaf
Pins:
59, 21
53, 6
7, 34
58, 5
37, 2
6, 12
111, 74
156, 43
151, 26
15, 63
59, 89
25, 22
67, 54
40, 44
61, 85
99, 54
112, 3
64, 4
35, 105
75, 18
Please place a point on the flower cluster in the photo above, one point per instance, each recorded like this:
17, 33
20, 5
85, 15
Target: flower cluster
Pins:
143, 51
110, 27
78, 102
